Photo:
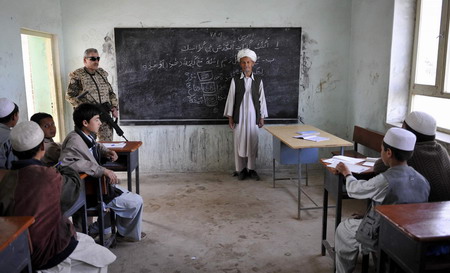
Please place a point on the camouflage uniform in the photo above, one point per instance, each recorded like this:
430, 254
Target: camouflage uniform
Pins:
81, 81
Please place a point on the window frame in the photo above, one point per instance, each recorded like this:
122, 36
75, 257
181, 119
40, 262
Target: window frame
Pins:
436, 90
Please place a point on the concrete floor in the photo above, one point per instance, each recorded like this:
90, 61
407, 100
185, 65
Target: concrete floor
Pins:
211, 222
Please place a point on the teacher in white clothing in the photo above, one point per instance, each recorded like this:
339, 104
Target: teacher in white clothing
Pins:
246, 109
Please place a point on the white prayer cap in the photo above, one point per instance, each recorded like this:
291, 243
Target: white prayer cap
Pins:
421, 122
26, 135
6, 107
246, 53
400, 138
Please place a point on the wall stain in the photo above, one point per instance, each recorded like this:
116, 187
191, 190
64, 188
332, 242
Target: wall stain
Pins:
193, 146
327, 84
374, 76
108, 56
305, 60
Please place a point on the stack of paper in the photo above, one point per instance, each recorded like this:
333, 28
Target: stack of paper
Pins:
311, 136
350, 162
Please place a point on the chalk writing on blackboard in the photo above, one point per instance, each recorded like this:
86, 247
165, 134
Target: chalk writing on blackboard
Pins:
182, 76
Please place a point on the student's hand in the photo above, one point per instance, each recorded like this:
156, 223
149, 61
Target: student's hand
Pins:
112, 155
261, 122
231, 123
112, 176
343, 169
115, 112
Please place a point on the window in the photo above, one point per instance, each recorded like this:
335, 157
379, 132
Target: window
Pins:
430, 79
40, 81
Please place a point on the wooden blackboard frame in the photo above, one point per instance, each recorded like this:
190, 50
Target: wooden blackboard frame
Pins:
142, 53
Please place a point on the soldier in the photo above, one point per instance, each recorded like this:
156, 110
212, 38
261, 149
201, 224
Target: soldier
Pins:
93, 80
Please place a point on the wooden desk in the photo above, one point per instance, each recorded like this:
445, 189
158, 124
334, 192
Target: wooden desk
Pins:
128, 161
407, 230
334, 183
285, 134
15, 243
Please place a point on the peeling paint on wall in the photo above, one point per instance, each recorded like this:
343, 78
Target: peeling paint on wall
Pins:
108, 56
305, 60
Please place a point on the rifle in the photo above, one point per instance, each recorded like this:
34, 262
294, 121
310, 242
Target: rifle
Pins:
105, 108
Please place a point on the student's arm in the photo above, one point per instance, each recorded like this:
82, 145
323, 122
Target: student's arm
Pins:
107, 153
79, 159
71, 187
52, 153
374, 188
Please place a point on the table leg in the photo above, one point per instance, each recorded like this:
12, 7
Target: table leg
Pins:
129, 178
324, 219
299, 185
137, 179
339, 202
273, 172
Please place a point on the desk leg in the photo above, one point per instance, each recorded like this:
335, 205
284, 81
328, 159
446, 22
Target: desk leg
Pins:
299, 175
129, 178
339, 202
324, 220
273, 172
137, 179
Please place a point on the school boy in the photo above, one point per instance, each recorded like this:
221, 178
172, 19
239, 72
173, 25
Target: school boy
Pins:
430, 158
32, 189
52, 149
400, 184
9, 116
81, 152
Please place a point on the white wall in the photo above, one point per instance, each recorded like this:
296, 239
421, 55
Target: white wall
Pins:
40, 15
370, 50
345, 62
326, 28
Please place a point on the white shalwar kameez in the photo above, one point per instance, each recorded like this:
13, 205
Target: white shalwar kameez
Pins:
87, 257
246, 131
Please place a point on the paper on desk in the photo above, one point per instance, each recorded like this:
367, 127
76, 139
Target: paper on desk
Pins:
372, 159
347, 159
314, 138
115, 145
369, 164
352, 167
308, 133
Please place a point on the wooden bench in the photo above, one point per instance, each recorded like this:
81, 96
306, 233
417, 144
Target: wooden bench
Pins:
365, 137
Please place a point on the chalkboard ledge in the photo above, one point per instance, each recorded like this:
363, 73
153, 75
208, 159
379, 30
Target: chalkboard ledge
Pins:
198, 121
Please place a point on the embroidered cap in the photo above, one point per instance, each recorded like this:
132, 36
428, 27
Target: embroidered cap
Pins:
6, 107
246, 53
400, 138
26, 135
421, 122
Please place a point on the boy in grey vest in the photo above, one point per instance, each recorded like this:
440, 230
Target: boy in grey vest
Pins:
400, 184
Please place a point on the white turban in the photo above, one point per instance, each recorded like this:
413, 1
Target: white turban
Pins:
26, 136
246, 53
6, 107
400, 138
421, 122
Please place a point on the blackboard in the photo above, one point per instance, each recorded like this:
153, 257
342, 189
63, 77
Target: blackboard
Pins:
182, 75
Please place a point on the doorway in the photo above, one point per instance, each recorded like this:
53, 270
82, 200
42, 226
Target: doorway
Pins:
42, 87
